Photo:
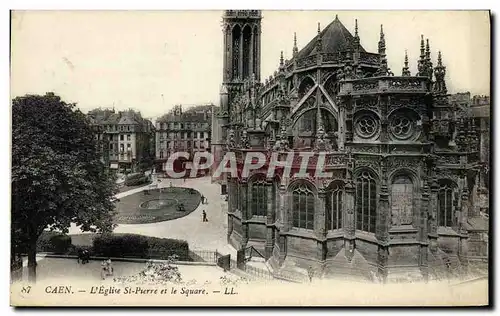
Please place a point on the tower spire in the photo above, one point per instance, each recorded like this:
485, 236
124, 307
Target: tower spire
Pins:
381, 42
281, 60
384, 69
356, 35
428, 60
295, 49
440, 73
421, 61
319, 42
406, 71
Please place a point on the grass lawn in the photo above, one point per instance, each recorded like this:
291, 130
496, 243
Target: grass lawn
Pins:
134, 208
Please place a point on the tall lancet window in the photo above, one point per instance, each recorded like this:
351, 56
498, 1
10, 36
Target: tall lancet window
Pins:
445, 203
366, 202
334, 203
255, 50
259, 198
247, 37
303, 207
402, 201
236, 51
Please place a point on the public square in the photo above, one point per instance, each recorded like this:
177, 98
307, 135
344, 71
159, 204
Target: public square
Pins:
200, 235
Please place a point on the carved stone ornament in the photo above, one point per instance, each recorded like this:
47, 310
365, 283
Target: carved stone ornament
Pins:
364, 162
395, 163
230, 139
244, 140
363, 86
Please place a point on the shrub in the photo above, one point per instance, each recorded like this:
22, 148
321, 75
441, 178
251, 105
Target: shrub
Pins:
136, 179
129, 245
53, 242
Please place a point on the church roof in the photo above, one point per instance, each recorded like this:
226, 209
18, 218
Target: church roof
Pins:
335, 38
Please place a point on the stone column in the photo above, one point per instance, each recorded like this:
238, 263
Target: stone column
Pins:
382, 258
269, 221
226, 54
433, 220
349, 221
284, 221
384, 219
250, 61
257, 34
320, 222
424, 213
341, 120
240, 66
463, 250
230, 54
244, 211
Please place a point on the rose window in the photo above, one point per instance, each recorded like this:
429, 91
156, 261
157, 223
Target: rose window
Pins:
366, 126
401, 127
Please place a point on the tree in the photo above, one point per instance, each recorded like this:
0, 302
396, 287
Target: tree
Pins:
58, 177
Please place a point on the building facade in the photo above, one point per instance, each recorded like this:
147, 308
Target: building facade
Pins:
125, 137
183, 131
404, 158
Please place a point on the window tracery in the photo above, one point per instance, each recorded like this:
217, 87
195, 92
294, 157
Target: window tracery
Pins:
366, 202
259, 198
446, 201
334, 202
303, 204
367, 126
402, 201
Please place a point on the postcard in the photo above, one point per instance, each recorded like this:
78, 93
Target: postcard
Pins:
250, 158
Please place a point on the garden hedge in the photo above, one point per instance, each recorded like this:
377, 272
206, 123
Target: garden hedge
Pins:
138, 246
54, 242
136, 179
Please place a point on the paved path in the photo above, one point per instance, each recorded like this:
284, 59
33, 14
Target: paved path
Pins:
58, 269
210, 235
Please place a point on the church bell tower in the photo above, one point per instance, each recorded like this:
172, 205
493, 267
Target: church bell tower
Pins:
241, 30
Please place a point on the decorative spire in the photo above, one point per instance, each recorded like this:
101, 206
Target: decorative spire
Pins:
428, 60
440, 73
319, 42
281, 60
381, 42
356, 35
406, 71
384, 69
421, 61
336, 17
295, 49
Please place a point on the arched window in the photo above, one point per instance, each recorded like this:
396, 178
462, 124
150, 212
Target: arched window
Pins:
247, 36
334, 202
305, 86
445, 203
303, 207
366, 202
259, 198
236, 51
402, 201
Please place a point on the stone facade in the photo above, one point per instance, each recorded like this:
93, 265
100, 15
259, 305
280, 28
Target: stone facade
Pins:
124, 137
182, 131
404, 160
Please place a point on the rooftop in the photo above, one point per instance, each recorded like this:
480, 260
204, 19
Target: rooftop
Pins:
335, 38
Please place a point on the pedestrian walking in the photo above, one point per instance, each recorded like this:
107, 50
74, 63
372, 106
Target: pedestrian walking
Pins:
205, 216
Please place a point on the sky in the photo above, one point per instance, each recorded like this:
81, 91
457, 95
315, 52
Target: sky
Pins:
153, 60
